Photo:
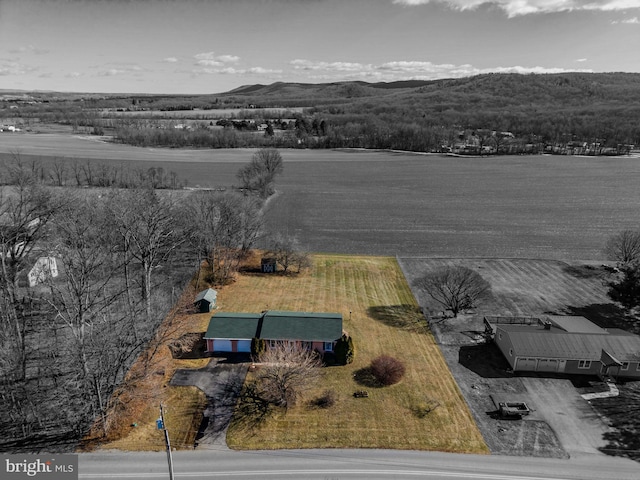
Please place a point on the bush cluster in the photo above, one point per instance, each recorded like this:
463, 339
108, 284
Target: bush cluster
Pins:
387, 370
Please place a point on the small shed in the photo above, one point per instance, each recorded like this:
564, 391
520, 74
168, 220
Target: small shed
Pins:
206, 300
268, 265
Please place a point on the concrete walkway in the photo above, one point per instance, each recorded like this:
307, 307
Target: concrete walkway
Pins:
577, 425
221, 381
612, 392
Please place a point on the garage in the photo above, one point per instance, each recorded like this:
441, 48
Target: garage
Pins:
547, 365
244, 346
222, 345
527, 364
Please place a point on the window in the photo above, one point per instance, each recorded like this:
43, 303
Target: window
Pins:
328, 346
272, 343
638, 367
584, 363
500, 336
511, 352
307, 345
625, 366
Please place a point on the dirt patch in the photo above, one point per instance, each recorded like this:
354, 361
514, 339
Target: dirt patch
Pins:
189, 345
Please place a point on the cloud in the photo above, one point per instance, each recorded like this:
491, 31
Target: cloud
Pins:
29, 49
228, 58
121, 69
170, 59
73, 75
204, 56
209, 63
112, 72
209, 59
404, 70
240, 71
301, 64
631, 21
581, 60
514, 8
15, 68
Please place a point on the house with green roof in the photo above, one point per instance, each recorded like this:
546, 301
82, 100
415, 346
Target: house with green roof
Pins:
232, 332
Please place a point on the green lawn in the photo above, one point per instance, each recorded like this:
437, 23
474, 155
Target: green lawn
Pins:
382, 316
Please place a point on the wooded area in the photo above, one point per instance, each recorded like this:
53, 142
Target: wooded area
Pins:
87, 277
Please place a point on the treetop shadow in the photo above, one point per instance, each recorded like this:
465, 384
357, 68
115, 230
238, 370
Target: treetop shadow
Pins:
405, 317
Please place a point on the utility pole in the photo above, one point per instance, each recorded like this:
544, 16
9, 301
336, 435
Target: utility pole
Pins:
163, 426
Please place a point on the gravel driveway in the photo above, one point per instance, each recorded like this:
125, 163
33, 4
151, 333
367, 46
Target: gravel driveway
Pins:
576, 424
221, 381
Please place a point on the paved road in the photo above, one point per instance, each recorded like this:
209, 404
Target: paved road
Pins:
349, 464
221, 381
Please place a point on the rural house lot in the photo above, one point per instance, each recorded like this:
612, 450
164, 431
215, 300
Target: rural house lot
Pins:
527, 224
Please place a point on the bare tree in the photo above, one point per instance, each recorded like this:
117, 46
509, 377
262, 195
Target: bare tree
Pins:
455, 288
59, 172
624, 247
222, 227
25, 211
287, 370
258, 176
148, 225
287, 252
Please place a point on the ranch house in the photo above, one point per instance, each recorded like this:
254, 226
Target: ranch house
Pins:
232, 332
565, 344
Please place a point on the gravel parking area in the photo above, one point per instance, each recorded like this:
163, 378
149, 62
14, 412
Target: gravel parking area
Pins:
561, 423
576, 424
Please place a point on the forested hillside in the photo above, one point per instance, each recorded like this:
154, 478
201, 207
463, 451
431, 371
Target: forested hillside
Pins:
486, 114
537, 108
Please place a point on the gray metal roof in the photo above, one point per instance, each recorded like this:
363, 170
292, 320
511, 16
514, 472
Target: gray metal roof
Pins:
575, 324
536, 341
209, 295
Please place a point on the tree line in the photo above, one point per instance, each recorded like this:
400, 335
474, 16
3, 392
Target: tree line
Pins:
64, 172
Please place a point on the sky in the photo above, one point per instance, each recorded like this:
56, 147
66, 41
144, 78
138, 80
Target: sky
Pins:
213, 46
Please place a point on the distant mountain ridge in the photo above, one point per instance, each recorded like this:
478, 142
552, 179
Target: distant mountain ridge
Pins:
501, 84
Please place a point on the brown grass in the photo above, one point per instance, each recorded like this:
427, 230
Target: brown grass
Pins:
383, 318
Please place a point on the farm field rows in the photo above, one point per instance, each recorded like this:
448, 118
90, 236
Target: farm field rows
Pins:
384, 203
523, 287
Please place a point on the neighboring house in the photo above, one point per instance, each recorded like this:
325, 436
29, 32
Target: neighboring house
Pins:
206, 300
44, 268
565, 344
232, 332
